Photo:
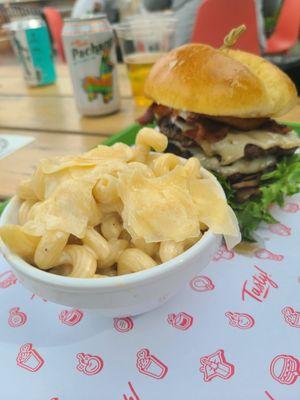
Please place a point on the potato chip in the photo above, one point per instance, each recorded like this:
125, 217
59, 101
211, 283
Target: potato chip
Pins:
156, 211
68, 209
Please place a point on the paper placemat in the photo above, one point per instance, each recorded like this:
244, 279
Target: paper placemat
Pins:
232, 333
11, 143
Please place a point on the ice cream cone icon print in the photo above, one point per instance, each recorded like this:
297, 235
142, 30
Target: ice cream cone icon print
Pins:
285, 369
149, 365
202, 283
223, 253
215, 365
88, 364
240, 320
264, 254
29, 359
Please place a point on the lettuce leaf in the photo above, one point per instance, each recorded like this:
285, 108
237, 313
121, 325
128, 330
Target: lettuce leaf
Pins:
275, 186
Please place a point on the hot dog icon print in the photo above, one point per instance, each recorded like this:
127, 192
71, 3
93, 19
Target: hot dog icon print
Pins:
88, 364
240, 320
70, 317
215, 365
29, 359
285, 369
149, 365
202, 283
16, 317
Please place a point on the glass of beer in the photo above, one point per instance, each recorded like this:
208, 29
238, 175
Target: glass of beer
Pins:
143, 40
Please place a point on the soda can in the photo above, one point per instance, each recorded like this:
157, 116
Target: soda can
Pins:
91, 56
31, 43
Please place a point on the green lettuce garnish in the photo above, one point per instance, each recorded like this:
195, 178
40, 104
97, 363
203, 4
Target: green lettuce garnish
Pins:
275, 186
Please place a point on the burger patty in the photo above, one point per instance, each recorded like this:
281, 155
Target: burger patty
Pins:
173, 132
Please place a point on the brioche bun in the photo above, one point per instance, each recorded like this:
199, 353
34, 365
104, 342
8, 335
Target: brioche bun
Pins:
204, 80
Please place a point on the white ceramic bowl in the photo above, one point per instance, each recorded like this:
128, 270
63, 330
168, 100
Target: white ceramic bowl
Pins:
117, 296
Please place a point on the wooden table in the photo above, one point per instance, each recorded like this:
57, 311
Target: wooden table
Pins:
49, 115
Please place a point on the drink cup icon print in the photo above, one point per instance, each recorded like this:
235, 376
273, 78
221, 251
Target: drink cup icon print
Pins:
16, 317
285, 369
201, 283
223, 253
181, 320
291, 317
7, 278
70, 317
149, 365
29, 359
264, 254
240, 320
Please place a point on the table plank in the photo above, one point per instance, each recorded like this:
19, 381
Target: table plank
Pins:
59, 114
12, 83
20, 164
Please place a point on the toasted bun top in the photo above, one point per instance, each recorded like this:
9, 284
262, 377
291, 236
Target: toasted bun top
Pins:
201, 79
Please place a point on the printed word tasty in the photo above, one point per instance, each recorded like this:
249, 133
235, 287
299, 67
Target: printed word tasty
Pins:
259, 287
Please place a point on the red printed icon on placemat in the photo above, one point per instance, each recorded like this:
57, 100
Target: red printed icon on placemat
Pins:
28, 358
7, 278
280, 229
240, 320
148, 364
223, 253
16, 317
133, 395
259, 287
291, 316
264, 254
70, 317
285, 369
215, 365
33, 296
123, 324
88, 364
181, 320
291, 207
269, 396
202, 283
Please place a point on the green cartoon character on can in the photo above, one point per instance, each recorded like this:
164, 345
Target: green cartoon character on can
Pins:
102, 84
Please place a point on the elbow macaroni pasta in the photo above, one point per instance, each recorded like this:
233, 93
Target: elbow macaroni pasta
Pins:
115, 210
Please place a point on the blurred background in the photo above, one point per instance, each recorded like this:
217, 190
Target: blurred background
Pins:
273, 26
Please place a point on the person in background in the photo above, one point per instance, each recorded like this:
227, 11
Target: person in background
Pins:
84, 7
185, 11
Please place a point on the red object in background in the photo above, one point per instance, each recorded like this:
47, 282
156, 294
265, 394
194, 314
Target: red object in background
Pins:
286, 32
55, 24
215, 18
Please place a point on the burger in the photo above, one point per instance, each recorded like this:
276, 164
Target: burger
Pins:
219, 105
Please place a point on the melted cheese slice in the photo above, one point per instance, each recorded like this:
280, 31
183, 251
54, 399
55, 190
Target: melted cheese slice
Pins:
232, 147
242, 166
